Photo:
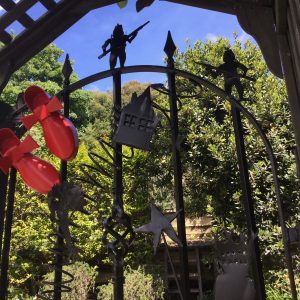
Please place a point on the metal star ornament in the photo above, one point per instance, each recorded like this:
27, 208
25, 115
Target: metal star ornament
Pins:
158, 225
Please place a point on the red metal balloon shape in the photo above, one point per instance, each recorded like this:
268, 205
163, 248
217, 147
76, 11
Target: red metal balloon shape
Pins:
59, 132
38, 174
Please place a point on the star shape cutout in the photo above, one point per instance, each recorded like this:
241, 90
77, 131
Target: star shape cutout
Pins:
159, 224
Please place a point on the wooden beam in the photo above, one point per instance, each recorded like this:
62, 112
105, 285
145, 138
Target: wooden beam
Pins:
5, 37
88, 5
293, 36
259, 22
281, 16
30, 42
49, 4
291, 83
224, 6
294, 10
18, 11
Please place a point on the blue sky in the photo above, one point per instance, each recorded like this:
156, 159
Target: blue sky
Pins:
83, 41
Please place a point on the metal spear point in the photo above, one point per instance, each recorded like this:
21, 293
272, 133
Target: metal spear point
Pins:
67, 69
170, 46
158, 225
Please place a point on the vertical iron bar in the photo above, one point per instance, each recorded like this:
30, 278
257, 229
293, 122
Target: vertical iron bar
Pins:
178, 190
285, 235
293, 97
7, 233
295, 151
58, 267
67, 71
66, 100
64, 174
118, 172
172, 266
118, 279
3, 194
248, 203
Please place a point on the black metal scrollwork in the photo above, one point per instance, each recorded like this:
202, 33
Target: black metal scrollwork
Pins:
63, 201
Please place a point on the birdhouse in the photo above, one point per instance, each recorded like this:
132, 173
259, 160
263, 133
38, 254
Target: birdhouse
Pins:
137, 122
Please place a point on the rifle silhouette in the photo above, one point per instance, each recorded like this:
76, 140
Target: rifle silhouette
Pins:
129, 36
215, 71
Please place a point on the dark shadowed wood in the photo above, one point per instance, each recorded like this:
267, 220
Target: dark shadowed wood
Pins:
59, 18
49, 4
17, 12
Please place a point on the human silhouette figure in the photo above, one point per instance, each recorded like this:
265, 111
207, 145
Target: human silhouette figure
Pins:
117, 43
229, 69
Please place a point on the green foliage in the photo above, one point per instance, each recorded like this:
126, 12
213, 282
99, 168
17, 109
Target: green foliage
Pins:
17, 294
122, 4
83, 283
210, 172
138, 286
29, 246
210, 159
44, 70
274, 294
211, 177
277, 287
99, 112
29, 238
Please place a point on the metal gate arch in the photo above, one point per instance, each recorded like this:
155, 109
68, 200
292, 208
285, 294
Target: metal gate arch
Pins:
236, 108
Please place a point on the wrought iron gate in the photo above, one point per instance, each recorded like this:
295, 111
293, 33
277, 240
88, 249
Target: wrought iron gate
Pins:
119, 234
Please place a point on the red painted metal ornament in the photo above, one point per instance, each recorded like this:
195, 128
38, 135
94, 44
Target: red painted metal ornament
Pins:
38, 174
59, 132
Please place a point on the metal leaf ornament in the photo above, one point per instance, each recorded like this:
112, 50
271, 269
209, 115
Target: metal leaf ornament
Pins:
62, 200
141, 4
158, 225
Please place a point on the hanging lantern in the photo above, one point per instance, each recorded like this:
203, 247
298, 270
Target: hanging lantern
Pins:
137, 122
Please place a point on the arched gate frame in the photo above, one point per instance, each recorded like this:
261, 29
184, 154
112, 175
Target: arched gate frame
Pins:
237, 109
120, 246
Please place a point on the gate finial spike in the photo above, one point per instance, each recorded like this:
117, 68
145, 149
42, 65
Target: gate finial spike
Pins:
170, 46
67, 68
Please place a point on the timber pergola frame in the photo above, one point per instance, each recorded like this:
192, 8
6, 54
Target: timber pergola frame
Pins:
275, 25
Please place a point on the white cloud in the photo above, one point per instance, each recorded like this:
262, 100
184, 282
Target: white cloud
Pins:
212, 37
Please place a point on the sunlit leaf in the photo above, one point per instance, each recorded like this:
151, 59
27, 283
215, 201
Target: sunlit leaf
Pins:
122, 4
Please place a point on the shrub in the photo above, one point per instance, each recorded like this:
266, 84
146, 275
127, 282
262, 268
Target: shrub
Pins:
138, 286
17, 294
84, 281
277, 285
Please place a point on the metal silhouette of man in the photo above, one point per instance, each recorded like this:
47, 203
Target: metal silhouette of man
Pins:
117, 43
229, 69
